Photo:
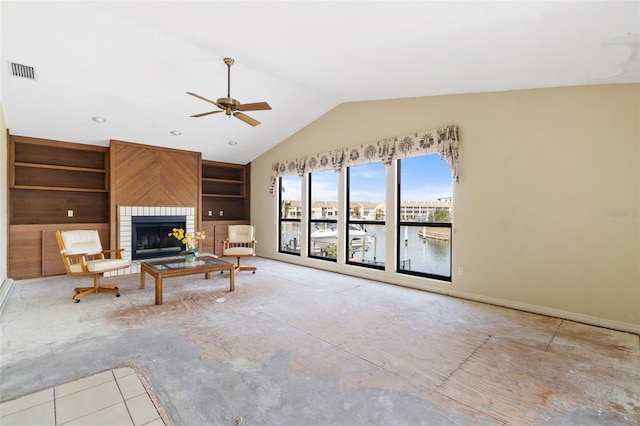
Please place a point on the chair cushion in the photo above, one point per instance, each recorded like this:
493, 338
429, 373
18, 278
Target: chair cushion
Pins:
82, 241
240, 233
100, 265
103, 265
239, 251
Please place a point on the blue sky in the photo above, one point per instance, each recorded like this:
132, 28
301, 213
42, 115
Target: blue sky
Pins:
424, 178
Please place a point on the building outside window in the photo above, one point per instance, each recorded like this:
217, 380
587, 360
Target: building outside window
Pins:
323, 216
425, 210
290, 202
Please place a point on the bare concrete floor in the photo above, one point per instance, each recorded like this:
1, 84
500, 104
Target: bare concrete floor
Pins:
297, 346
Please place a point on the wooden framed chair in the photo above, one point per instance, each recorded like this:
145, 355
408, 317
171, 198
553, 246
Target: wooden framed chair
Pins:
82, 254
240, 242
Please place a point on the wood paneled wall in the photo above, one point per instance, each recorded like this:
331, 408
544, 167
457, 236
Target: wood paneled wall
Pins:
143, 175
34, 250
29, 207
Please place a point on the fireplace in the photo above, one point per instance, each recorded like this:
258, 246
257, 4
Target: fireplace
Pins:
125, 229
150, 236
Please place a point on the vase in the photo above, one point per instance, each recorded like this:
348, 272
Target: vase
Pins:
190, 257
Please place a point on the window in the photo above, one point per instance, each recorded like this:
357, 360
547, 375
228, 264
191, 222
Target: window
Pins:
424, 217
323, 215
290, 202
366, 218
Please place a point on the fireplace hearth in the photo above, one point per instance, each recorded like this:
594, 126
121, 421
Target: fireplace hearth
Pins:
150, 236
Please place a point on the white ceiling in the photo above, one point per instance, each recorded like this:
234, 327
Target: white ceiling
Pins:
132, 62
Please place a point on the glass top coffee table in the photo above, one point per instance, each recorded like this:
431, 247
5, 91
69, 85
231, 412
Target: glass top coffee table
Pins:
178, 267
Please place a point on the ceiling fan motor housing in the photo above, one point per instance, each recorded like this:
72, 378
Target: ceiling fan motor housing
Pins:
229, 104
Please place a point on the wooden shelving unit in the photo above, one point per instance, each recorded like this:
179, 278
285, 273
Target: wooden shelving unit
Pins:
223, 180
225, 200
225, 188
47, 179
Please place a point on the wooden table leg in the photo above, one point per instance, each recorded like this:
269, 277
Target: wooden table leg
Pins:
141, 279
159, 291
232, 279
207, 275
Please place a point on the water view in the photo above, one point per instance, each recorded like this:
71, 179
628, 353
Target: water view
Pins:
429, 254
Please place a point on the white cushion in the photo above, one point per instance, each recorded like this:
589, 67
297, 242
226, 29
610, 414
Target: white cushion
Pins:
101, 265
106, 264
239, 251
81, 241
240, 233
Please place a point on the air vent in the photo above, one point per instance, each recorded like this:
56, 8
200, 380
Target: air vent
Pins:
24, 71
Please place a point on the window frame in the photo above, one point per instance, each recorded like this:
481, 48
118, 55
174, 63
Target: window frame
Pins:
399, 237
348, 222
311, 221
282, 220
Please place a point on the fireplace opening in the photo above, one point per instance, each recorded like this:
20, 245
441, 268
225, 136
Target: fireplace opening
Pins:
150, 236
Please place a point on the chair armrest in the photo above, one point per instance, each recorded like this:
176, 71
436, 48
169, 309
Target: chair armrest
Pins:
76, 258
83, 255
118, 252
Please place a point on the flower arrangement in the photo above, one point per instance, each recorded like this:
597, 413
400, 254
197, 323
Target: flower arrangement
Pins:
190, 240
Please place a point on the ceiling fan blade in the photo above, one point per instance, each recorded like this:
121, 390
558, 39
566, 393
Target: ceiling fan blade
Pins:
246, 118
205, 99
202, 114
257, 106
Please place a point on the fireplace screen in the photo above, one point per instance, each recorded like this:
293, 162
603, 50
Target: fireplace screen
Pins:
150, 236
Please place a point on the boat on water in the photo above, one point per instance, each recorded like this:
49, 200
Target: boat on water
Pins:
424, 232
357, 235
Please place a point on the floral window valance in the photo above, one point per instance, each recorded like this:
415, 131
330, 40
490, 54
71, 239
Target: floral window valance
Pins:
443, 140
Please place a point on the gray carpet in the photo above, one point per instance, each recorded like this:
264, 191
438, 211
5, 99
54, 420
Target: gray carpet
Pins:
297, 346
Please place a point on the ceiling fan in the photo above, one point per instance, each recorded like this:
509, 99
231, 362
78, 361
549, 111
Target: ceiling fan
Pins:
231, 106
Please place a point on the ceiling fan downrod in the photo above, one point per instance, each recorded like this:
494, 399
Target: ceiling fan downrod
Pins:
229, 62
229, 101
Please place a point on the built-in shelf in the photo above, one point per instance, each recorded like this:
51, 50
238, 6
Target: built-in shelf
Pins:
59, 188
234, 181
223, 180
55, 167
222, 196
54, 182
225, 188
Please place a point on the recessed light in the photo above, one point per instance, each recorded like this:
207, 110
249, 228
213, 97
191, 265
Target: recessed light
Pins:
176, 132
233, 143
98, 119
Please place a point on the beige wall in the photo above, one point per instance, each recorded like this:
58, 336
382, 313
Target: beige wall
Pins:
547, 211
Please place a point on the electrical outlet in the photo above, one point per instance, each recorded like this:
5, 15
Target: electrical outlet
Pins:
461, 271
70, 213
221, 213
210, 213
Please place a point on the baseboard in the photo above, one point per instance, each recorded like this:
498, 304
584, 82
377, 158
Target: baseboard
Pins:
555, 313
6, 287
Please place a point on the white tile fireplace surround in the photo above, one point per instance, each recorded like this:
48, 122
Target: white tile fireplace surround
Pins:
124, 232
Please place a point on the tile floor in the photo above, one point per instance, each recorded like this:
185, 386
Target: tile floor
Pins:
115, 397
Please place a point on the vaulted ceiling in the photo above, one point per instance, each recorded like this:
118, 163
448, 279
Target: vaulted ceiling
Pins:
132, 62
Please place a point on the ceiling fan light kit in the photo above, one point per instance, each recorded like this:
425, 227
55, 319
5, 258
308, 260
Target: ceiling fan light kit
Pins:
232, 106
